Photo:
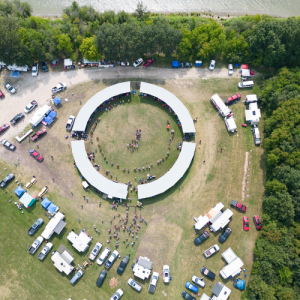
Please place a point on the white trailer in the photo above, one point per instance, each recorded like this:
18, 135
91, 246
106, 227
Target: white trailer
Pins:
40, 114
88, 62
230, 124
222, 221
224, 110
52, 225
250, 99
232, 269
14, 67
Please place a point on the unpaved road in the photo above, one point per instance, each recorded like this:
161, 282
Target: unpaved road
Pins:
39, 88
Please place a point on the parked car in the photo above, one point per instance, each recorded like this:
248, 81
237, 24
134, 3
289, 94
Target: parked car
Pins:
224, 236
111, 259
245, 84
185, 295
36, 244
44, 67
199, 281
7, 179
238, 205
70, 123
17, 118
45, 251
212, 250
149, 62
38, 134
153, 282
55, 62
1, 95
60, 87
198, 240
95, 251
185, 65
191, 287
4, 127
123, 265
230, 69
103, 256
101, 278
32, 105
233, 99
37, 224
134, 284
212, 65
166, 274
35, 70
8, 145
257, 222
137, 62
76, 277
9, 88
208, 273
117, 295
246, 223
36, 155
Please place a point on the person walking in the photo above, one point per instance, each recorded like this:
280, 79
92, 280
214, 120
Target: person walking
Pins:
51, 157
204, 162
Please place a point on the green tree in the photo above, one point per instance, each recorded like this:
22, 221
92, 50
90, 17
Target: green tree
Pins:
89, 50
64, 45
141, 11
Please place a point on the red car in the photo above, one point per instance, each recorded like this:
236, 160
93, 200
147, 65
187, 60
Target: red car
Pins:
233, 99
246, 223
257, 222
1, 94
4, 128
36, 155
149, 62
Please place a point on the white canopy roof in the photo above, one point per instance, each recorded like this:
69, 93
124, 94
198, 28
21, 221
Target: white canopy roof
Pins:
170, 178
229, 256
79, 242
68, 62
91, 105
178, 107
117, 190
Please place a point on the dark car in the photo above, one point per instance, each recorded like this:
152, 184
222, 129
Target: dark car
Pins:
4, 127
223, 237
101, 278
208, 273
123, 265
44, 67
185, 65
37, 224
198, 240
7, 179
187, 296
257, 222
17, 118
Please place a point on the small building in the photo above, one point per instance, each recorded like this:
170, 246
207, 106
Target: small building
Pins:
27, 200
68, 64
80, 242
56, 224
62, 260
142, 268
220, 291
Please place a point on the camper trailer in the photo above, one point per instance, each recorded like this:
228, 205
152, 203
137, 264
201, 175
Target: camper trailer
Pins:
222, 221
19, 69
40, 114
230, 124
232, 269
224, 110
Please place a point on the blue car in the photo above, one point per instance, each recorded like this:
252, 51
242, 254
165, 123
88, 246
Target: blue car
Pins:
191, 287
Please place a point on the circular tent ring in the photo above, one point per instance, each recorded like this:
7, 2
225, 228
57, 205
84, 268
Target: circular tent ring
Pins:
120, 190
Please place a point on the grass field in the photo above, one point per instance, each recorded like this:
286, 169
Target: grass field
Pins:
168, 237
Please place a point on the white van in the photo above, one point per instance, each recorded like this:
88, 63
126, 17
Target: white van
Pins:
251, 99
256, 135
103, 256
245, 84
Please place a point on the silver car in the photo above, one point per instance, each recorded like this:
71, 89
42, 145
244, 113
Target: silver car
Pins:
230, 70
134, 284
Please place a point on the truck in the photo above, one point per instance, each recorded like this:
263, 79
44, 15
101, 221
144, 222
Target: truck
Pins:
212, 250
111, 260
38, 134
76, 277
60, 87
256, 135
70, 123
36, 244
45, 251
153, 282
238, 205
37, 224
224, 110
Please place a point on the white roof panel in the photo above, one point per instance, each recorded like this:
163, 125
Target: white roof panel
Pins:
171, 177
229, 256
178, 107
91, 105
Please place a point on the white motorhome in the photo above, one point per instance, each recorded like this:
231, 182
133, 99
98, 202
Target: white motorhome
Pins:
40, 114
224, 110
245, 84
222, 221
230, 124
250, 99
14, 67
256, 135
56, 224
232, 269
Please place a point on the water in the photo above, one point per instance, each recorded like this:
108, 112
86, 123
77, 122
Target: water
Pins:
273, 7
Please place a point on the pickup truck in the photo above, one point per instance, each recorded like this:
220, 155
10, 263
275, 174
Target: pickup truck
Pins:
185, 65
70, 123
7, 179
38, 134
76, 277
212, 250
37, 243
238, 205
37, 224
153, 282
111, 259
60, 87
45, 251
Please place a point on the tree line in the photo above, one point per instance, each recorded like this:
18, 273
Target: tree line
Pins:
276, 269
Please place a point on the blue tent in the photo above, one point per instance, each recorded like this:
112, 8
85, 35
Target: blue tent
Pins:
175, 64
56, 100
239, 284
19, 191
52, 114
45, 203
15, 74
48, 120
52, 208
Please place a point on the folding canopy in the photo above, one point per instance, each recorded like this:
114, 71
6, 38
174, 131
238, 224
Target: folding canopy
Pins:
56, 100
48, 120
52, 114
19, 191
45, 203
52, 208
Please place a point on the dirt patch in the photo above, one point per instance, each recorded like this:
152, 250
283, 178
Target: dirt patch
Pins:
113, 283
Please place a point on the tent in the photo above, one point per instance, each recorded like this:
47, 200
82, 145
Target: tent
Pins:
198, 63
52, 208
56, 100
52, 114
19, 191
48, 120
15, 74
45, 203
27, 200
240, 284
175, 64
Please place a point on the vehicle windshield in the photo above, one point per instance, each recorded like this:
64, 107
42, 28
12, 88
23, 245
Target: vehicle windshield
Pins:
246, 224
10, 88
28, 107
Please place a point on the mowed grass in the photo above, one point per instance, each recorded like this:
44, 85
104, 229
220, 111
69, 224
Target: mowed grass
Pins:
168, 237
